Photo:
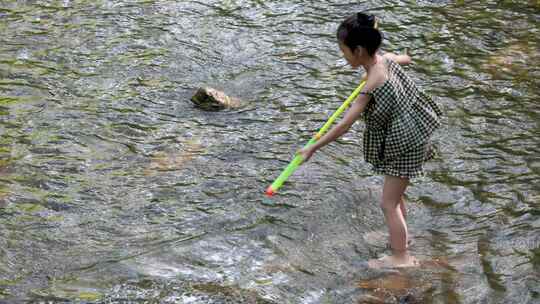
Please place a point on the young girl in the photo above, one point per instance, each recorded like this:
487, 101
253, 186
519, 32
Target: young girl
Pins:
400, 119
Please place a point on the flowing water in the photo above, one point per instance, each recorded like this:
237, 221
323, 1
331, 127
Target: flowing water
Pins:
114, 188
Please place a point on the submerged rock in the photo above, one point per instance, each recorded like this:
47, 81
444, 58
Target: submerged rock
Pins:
410, 285
174, 160
213, 100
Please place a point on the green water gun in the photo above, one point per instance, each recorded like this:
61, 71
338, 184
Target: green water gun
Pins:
298, 159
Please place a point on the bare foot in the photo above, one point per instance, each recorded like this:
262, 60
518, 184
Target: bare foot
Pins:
394, 261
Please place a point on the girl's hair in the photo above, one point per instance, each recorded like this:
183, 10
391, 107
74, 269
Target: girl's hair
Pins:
359, 30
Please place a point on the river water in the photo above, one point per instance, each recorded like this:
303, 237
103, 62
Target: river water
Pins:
114, 188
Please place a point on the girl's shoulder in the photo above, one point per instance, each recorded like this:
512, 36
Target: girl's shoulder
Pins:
377, 76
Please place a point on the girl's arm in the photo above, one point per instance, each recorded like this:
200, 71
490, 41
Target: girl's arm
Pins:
341, 128
375, 79
346, 123
399, 58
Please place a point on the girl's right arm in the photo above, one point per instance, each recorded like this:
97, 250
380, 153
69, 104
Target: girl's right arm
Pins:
351, 116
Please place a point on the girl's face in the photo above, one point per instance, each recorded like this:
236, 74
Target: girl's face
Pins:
353, 58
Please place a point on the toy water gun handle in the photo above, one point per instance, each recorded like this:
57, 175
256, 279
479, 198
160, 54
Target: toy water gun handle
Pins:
298, 159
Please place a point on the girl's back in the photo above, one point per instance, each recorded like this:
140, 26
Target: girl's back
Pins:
404, 113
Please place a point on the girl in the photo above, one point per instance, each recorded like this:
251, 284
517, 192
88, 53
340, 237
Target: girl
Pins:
400, 119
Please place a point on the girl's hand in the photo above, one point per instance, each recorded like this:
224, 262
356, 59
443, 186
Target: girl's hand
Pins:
306, 153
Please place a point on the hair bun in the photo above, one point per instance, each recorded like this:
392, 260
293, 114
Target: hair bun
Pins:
365, 20
371, 19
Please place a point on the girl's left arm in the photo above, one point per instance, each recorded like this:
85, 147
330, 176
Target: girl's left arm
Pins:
402, 59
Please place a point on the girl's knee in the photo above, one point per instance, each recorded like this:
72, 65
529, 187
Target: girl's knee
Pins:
389, 205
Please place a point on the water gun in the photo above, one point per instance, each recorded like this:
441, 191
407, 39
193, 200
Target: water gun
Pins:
298, 159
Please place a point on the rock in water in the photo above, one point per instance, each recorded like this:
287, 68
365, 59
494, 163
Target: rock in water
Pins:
213, 100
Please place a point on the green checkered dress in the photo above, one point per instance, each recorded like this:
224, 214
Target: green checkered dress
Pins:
400, 119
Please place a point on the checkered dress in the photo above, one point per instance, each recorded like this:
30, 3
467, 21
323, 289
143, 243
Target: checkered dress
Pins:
400, 119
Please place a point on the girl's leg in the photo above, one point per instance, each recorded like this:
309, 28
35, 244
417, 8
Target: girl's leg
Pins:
392, 205
403, 211
402, 207
392, 202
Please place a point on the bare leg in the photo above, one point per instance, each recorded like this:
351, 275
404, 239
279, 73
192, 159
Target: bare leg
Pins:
392, 202
402, 207
403, 210
393, 190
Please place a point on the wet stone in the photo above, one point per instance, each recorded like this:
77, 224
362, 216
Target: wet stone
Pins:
210, 99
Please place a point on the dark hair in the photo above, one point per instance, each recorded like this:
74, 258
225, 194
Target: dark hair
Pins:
359, 30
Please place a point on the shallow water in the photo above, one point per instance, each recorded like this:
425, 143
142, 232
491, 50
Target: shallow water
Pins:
114, 187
